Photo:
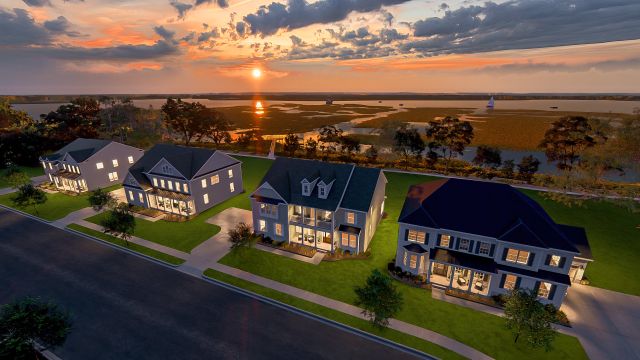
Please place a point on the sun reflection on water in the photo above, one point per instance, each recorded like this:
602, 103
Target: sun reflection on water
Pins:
259, 108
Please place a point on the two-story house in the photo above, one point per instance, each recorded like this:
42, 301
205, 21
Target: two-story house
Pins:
182, 180
487, 239
319, 204
89, 164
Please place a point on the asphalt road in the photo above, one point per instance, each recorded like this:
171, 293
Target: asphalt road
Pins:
125, 307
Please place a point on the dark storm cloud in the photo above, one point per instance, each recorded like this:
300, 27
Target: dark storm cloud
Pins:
159, 49
182, 8
528, 67
300, 13
167, 35
523, 24
37, 3
60, 25
17, 28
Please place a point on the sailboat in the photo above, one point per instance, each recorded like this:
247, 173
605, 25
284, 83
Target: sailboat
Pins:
491, 103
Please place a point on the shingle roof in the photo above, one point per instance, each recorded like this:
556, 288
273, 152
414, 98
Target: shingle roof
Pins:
79, 149
415, 248
187, 160
578, 237
357, 184
483, 208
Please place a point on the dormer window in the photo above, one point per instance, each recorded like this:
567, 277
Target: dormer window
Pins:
322, 191
306, 189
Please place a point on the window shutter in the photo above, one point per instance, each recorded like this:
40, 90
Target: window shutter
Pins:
451, 242
552, 292
547, 261
518, 282
562, 261
470, 246
504, 253
457, 240
536, 288
492, 250
406, 234
438, 239
426, 238
531, 257
477, 249
502, 280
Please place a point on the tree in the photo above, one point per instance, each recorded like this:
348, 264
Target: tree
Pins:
190, 120
99, 199
450, 135
30, 321
408, 142
291, 144
311, 148
242, 237
487, 156
371, 154
77, 119
29, 195
567, 138
119, 222
16, 177
217, 127
527, 167
245, 138
379, 298
527, 317
328, 134
507, 169
349, 144
11, 118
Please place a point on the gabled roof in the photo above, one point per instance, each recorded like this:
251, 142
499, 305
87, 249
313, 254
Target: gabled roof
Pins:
352, 188
187, 160
483, 208
79, 149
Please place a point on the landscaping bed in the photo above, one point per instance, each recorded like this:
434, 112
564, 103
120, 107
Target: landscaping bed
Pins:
292, 248
339, 254
146, 211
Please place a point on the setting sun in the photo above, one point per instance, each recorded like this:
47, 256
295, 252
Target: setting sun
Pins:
256, 73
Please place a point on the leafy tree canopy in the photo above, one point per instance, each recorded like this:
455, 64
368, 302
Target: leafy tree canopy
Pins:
379, 298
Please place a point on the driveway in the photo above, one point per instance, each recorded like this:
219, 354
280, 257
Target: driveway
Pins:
606, 322
125, 307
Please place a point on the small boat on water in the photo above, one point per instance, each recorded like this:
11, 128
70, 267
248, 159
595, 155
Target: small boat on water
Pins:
401, 104
328, 102
491, 104
553, 107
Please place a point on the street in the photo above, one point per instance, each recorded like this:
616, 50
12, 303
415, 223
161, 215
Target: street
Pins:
125, 307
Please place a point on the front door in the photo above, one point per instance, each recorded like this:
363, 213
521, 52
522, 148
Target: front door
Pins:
440, 269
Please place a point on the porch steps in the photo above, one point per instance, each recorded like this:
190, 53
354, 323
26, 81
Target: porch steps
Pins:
438, 286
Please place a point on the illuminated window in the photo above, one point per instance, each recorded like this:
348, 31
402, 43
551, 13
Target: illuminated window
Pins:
99, 166
130, 159
230, 173
263, 225
555, 260
232, 187
351, 217
278, 229
162, 183
404, 260
510, 282
517, 256
130, 195
205, 197
445, 240
204, 183
185, 187
155, 182
170, 185
416, 236
140, 197
215, 179
113, 176
177, 186
345, 239
544, 290
114, 162
413, 261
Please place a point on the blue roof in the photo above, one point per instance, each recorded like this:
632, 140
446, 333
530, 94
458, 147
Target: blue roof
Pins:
483, 208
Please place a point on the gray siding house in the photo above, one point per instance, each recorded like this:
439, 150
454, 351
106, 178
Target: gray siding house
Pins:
487, 239
318, 204
182, 180
89, 164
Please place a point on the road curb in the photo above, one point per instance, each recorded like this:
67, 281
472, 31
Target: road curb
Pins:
322, 319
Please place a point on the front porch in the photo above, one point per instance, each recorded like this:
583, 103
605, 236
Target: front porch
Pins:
68, 181
460, 278
170, 202
318, 239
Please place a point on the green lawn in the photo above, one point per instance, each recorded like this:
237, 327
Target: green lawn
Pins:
337, 279
614, 239
58, 205
30, 171
185, 236
135, 247
335, 315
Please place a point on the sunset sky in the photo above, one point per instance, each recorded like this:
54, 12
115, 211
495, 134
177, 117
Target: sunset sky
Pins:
162, 46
